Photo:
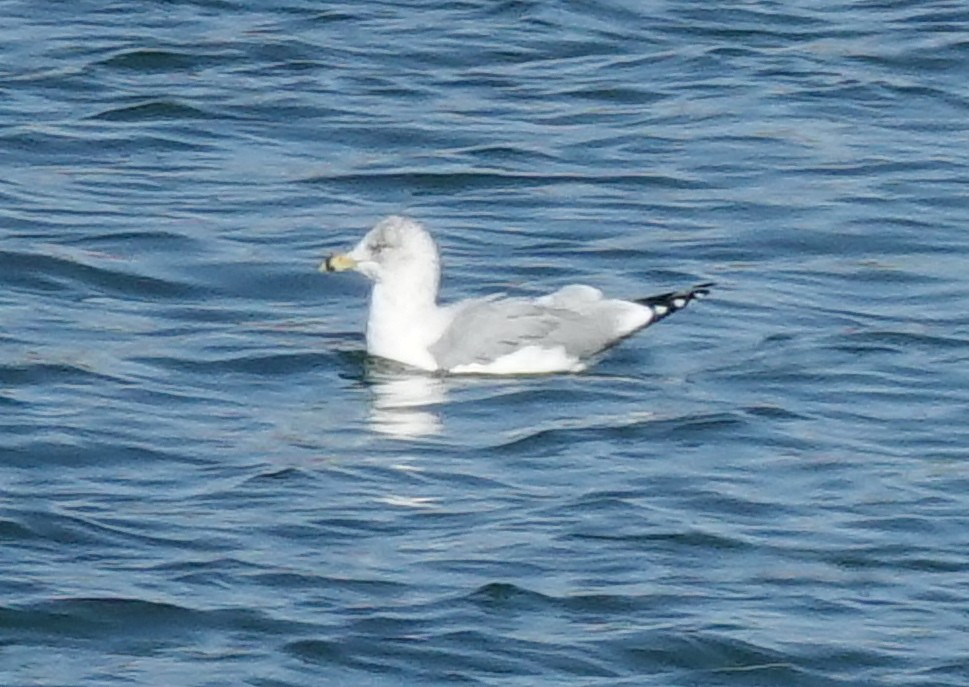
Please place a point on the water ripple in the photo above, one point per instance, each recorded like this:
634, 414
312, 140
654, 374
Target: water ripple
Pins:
62, 272
156, 110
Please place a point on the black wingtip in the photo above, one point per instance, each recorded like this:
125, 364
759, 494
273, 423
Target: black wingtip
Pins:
665, 304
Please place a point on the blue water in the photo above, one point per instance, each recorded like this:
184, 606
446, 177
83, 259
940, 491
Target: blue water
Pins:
206, 482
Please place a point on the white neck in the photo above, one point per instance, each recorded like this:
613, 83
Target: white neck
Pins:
404, 321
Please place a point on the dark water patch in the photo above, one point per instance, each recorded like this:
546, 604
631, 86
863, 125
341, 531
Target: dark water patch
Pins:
626, 96
281, 475
692, 539
704, 427
354, 528
55, 272
145, 60
322, 651
54, 143
224, 565
875, 167
706, 656
260, 365
406, 653
948, 674
742, 506
399, 658
529, 656
81, 452
913, 61
51, 529
12, 531
222, 312
129, 622
510, 600
67, 148
458, 180
327, 16
684, 430
8, 401
154, 110
498, 154
44, 373
897, 557
897, 341
774, 412
891, 275
147, 241
601, 501
496, 595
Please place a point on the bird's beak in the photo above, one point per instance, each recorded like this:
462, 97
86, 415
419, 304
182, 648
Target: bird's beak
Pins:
338, 263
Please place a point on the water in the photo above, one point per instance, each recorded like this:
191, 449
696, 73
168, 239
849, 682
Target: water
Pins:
205, 481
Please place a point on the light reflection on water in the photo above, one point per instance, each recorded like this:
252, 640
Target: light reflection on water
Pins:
404, 403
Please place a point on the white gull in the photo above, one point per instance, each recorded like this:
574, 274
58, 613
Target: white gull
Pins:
558, 332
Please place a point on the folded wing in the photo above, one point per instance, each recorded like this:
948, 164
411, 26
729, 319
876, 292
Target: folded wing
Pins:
572, 323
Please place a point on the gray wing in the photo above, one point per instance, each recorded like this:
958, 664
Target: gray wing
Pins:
485, 330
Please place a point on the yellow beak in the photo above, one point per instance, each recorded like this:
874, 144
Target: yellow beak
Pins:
338, 263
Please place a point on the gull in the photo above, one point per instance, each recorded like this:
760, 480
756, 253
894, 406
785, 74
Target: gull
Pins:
558, 332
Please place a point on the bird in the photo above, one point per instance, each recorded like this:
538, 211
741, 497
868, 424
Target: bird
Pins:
562, 331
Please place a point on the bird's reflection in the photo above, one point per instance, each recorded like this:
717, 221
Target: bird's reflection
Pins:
404, 403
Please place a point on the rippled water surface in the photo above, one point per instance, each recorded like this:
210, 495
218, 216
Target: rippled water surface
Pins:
206, 482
